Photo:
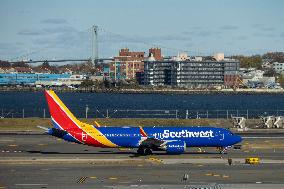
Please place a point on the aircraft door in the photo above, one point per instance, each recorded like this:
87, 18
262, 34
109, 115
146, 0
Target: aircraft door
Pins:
220, 135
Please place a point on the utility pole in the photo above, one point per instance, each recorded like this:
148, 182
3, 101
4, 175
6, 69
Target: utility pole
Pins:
115, 70
133, 71
95, 48
87, 109
126, 70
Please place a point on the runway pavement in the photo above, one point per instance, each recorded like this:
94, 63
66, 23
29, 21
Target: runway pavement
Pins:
42, 161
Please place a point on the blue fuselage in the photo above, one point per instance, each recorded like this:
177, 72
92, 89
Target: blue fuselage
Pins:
192, 136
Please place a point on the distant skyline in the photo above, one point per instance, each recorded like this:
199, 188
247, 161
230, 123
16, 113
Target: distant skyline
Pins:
56, 29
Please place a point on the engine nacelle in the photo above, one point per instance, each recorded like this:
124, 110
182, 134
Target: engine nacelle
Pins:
176, 147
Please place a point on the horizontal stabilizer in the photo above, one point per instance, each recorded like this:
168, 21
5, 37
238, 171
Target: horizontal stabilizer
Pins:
43, 128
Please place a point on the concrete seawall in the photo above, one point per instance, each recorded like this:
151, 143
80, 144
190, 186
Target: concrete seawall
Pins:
146, 90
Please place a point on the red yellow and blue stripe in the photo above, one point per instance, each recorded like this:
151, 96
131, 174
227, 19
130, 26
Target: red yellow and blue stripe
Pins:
63, 119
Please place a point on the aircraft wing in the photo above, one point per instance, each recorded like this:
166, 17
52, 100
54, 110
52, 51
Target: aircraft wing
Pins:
152, 143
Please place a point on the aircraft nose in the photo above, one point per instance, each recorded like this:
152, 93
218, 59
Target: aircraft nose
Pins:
238, 138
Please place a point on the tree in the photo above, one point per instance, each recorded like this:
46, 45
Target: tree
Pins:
107, 83
281, 80
4, 64
52, 68
45, 64
270, 73
274, 56
87, 83
20, 64
249, 61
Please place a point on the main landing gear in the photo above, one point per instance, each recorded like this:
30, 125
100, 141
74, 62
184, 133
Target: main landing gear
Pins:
144, 151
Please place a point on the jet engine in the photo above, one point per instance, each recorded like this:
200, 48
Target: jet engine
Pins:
175, 147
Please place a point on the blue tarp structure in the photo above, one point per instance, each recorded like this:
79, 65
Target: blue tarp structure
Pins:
28, 78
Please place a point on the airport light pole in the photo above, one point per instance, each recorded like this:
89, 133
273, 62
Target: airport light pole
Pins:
87, 109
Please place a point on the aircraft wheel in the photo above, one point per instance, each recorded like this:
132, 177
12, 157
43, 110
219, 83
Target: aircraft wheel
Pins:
148, 151
141, 151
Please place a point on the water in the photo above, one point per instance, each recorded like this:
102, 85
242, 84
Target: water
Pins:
34, 104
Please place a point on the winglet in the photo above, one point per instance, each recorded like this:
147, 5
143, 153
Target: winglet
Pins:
43, 128
97, 124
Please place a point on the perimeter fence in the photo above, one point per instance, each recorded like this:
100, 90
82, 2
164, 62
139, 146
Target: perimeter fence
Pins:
89, 112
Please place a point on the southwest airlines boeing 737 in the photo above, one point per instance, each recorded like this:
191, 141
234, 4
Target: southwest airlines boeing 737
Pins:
173, 140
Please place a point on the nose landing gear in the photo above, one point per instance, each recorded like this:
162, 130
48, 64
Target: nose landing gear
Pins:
222, 150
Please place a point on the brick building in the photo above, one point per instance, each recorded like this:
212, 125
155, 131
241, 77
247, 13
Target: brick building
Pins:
156, 52
128, 64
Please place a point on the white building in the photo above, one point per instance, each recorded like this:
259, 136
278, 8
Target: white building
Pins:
181, 57
252, 75
71, 81
219, 56
278, 67
256, 76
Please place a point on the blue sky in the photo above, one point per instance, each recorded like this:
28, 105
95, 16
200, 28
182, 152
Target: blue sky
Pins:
52, 29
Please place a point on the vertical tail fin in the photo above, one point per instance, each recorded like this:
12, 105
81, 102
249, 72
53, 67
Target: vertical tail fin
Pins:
63, 119
61, 116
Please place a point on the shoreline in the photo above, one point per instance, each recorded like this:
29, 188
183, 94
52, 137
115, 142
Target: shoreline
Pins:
146, 91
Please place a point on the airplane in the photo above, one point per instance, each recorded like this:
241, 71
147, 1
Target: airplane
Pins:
172, 140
